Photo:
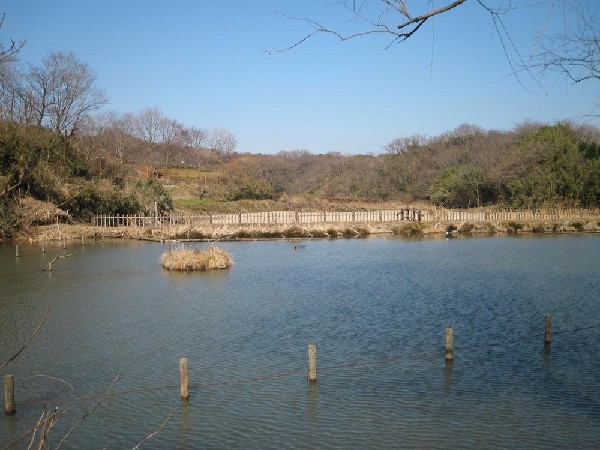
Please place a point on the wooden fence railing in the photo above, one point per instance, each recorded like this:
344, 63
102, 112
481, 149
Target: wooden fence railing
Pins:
323, 217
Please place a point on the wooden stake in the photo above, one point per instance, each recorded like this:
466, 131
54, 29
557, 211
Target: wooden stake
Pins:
184, 379
312, 363
548, 330
449, 344
9, 394
17, 250
83, 239
43, 247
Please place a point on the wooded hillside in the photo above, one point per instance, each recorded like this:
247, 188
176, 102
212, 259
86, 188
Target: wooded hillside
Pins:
114, 172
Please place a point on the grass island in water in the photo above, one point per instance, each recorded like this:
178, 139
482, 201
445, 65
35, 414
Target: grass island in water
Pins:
187, 259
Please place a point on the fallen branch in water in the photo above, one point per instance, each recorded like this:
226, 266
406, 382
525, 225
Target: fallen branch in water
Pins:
151, 435
82, 418
48, 268
45, 424
37, 329
52, 378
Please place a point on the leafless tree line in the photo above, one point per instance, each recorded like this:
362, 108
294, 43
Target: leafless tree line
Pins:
61, 94
150, 137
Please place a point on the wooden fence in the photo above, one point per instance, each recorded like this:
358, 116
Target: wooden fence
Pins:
336, 217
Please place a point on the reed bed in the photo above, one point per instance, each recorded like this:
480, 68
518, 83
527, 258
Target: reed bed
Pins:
187, 259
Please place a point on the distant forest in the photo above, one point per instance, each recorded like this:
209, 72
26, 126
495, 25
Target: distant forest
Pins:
534, 165
113, 171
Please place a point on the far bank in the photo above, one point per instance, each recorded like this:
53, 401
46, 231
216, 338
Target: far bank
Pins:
224, 228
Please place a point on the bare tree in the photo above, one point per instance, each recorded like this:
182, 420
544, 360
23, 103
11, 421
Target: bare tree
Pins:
14, 100
171, 135
9, 54
61, 91
112, 132
222, 141
575, 52
194, 137
149, 124
404, 144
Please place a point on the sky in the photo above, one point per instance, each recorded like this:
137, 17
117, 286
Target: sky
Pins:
209, 63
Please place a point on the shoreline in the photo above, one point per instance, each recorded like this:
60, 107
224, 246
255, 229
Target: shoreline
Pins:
57, 232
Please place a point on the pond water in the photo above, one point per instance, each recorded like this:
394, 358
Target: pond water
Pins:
377, 310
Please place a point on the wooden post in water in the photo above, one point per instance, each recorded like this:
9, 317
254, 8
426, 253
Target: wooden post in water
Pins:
43, 247
184, 379
312, 363
548, 330
9, 394
449, 344
17, 250
83, 239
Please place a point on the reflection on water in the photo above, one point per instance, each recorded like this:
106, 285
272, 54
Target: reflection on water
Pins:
377, 309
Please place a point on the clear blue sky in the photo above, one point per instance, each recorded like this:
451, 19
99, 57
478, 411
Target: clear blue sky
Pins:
204, 63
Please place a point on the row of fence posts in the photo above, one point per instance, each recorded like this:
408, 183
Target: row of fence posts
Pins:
184, 378
64, 245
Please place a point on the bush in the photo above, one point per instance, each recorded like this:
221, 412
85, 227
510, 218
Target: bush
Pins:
332, 233
514, 227
578, 226
295, 232
255, 190
537, 228
466, 227
410, 229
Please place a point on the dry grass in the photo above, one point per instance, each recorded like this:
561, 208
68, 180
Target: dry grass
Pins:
186, 259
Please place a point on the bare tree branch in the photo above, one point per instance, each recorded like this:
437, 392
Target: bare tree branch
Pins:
419, 20
47, 420
37, 329
15, 47
151, 435
82, 418
576, 52
399, 32
52, 378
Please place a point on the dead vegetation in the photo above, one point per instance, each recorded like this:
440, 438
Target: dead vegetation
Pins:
188, 259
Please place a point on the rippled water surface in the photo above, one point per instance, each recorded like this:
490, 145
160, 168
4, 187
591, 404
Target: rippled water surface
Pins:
376, 309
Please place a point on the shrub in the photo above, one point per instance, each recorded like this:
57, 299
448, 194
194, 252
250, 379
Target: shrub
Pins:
578, 226
409, 229
514, 227
537, 228
362, 231
349, 232
295, 232
332, 233
255, 190
466, 227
